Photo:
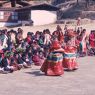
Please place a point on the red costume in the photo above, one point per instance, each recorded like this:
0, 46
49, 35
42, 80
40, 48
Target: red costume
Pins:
69, 61
92, 40
53, 64
28, 39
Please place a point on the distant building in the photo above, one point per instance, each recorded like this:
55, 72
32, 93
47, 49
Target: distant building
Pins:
38, 14
8, 17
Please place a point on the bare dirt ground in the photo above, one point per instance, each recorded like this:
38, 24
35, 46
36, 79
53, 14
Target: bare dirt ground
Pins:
52, 28
33, 82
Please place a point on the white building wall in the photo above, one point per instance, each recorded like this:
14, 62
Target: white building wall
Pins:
42, 17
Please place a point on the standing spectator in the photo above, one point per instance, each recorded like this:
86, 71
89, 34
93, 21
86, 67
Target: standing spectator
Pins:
19, 37
83, 47
47, 37
78, 21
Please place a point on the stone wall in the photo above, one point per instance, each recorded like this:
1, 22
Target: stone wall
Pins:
74, 22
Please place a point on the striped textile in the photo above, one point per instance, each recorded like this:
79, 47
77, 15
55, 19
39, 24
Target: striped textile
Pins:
55, 57
69, 55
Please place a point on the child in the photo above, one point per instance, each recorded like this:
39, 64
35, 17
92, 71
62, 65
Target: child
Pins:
1, 68
38, 58
6, 63
27, 59
28, 38
19, 60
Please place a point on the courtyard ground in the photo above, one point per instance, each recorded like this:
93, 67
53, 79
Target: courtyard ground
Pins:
33, 82
51, 27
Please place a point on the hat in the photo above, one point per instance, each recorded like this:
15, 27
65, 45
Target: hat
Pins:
55, 45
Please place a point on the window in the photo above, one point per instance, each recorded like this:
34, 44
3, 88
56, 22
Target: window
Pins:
1, 15
14, 16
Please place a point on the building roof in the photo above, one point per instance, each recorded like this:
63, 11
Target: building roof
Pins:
39, 6
43, 6
9, 9
7, 6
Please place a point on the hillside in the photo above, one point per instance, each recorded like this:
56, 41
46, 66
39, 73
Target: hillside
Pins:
72, 10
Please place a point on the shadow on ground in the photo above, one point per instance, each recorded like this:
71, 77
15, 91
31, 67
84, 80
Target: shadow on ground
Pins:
36, 73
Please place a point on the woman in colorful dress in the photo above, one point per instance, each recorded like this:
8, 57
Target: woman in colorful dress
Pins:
92, 42
69, 60
92, 39
83, 48
53, 63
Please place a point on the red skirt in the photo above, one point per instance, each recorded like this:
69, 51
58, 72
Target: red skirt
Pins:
92, 44
69, 60
70, 64
52, 69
